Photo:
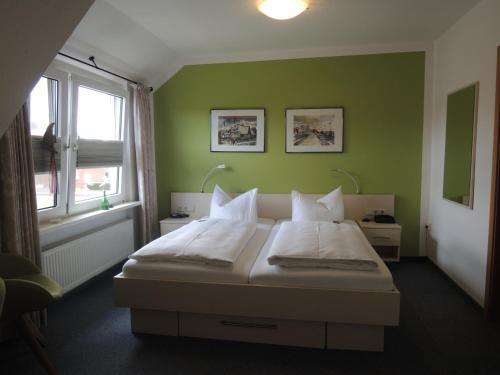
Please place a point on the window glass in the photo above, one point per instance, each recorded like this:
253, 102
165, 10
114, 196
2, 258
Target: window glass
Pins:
99, 115
44, 197
43, 105
99, 118
43, 111
90, 183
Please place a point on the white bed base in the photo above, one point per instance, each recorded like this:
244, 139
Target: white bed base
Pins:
310, 317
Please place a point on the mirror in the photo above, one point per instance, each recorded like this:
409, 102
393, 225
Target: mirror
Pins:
461, 114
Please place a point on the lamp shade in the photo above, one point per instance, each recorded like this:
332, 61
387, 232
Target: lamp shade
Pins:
282, 9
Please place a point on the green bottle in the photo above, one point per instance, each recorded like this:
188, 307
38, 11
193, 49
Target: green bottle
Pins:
105, 202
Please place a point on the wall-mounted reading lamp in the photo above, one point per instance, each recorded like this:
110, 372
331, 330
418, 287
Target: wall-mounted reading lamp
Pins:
220, 166
355, 182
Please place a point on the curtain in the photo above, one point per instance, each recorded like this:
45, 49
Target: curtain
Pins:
145, 161
18, 214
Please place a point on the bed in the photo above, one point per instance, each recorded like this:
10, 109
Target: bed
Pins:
260, 303
262, 273
238, 273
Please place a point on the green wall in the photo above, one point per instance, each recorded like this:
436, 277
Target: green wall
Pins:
460, 114
382, 96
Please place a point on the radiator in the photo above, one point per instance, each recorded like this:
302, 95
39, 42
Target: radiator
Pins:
76, 261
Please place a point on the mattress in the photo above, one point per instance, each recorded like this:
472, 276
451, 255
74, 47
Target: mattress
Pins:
237, 273
264, 274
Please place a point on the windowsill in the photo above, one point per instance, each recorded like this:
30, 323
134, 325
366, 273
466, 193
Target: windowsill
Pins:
49, 226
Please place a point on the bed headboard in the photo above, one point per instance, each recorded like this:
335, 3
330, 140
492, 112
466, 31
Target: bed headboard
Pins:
279, 206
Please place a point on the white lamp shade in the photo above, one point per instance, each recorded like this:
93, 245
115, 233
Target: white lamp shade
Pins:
282, 9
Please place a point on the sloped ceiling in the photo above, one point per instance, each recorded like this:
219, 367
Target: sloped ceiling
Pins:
150, 39
31, 34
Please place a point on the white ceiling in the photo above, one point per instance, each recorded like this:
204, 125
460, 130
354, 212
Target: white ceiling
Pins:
151, 39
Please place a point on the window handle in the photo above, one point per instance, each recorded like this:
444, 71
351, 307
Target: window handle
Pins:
73, 147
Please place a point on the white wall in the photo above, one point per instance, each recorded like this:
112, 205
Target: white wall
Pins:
464, 54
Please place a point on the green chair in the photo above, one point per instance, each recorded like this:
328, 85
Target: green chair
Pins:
24, 289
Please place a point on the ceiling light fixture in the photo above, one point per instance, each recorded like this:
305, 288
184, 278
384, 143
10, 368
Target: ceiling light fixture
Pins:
282, 9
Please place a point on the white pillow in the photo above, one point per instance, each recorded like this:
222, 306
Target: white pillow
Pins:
241, 208
328, 208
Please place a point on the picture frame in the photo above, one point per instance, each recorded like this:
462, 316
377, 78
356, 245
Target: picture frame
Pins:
237, 130
314, 130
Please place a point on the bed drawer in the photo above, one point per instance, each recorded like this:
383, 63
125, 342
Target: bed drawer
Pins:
383, 237
267, 331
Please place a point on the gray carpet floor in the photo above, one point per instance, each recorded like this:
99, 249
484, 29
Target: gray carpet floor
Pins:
442, 331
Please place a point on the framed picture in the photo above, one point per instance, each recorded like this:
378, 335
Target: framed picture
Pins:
237, 130
314, 130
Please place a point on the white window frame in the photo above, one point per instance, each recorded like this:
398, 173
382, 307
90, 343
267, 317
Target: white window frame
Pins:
62, 131
117, 90
69, 78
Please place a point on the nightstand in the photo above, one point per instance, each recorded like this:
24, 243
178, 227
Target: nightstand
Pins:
385, 238
170, 224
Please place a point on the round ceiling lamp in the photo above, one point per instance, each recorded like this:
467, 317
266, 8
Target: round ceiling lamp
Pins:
282, 9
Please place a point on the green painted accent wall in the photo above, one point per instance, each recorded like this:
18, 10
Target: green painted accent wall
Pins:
460, 117
382, 96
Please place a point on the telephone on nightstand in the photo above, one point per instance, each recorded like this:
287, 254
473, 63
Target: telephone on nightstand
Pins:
386, 219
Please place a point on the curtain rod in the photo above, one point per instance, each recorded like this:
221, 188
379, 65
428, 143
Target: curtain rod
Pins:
94, 65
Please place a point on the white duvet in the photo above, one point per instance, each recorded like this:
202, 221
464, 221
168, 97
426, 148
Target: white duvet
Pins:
217, 242
320, 244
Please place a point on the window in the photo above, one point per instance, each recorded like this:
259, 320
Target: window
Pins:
88, 134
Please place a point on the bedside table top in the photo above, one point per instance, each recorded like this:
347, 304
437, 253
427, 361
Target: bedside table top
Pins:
374, 225
184, 220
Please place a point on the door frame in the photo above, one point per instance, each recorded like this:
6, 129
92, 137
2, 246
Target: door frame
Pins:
492, 292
